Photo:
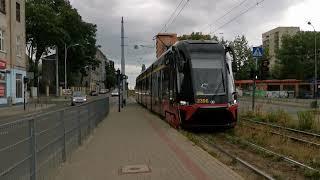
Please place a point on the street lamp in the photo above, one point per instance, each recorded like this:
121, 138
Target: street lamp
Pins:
65, 61
315, 61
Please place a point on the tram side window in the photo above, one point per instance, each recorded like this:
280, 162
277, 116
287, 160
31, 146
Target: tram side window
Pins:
159, 85
165, 82
147, 85
154, 85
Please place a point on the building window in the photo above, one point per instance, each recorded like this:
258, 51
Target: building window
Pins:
18, 85
3, 6
19, 48
18, 12
1, 40
2, 85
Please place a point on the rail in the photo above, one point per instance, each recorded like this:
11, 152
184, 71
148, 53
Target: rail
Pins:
243, 162
284, 128
34, 147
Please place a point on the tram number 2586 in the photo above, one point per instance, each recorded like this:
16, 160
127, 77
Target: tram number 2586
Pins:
203, 101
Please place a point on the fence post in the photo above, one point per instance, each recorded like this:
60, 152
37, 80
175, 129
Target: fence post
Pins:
79, 126
89, 122
64, 151
33, 150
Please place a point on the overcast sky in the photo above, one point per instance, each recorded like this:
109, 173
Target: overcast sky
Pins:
145, 18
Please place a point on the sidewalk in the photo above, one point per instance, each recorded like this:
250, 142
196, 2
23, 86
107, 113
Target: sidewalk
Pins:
137, 137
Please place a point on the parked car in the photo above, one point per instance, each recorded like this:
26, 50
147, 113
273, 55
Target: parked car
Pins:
103, 91
115, 92
78, 97
94, 93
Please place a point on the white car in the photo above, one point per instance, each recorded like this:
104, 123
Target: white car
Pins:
78, 98
115, 92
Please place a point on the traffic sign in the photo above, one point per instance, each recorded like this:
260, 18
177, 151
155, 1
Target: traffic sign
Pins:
257, 51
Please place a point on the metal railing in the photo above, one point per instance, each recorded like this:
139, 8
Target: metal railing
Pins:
33, 148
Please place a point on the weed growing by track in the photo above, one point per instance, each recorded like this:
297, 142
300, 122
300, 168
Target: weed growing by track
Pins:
303, 153
307, 120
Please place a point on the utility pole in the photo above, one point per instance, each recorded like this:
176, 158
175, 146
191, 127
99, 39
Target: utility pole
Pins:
123, 72
254, 83
57, 72
118, 83
65, 65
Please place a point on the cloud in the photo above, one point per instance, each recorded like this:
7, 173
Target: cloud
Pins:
143, 19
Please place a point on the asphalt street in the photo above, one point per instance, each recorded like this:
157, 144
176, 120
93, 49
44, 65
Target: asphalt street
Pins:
245, 105
20, 115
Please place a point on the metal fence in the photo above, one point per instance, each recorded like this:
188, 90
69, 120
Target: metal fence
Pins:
33, 148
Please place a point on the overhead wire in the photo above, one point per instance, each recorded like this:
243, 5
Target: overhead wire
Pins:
237, 16
224, 15
174, 19
173, 13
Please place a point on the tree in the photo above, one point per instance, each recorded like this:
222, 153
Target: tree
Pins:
243, 62
296, 56
110, 77
197, 36
52, 23
42, 30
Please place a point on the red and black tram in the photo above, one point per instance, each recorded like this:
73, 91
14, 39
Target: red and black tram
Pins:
191, 85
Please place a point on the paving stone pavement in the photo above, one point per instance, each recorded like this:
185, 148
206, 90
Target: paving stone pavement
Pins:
137, 137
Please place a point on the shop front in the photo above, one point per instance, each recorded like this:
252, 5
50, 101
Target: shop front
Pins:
3, 83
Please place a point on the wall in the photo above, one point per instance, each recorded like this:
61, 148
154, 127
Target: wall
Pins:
163, 40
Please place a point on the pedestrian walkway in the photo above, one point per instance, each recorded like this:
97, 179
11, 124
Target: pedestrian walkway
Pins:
136, 144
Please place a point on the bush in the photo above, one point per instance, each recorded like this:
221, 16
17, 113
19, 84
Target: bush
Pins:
314, 104
306, 120
279, 116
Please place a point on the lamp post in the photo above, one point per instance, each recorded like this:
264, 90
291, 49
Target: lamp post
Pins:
315, 61
65, 62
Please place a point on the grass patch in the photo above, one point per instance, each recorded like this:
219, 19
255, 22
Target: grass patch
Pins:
312, 174
306, 120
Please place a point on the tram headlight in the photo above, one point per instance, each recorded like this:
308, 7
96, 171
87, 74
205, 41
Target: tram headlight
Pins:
183, 103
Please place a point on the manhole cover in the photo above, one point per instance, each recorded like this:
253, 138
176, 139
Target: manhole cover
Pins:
132, 169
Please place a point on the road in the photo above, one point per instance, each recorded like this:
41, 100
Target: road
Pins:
6, 117
246, 105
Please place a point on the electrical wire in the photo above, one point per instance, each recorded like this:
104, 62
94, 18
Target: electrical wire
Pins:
173, 20
237, 16
224, 15
173, 13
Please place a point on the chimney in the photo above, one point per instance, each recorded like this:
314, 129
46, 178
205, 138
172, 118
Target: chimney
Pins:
164, 40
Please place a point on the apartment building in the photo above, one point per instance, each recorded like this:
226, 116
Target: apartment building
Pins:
97, 76
273, 40
12, 51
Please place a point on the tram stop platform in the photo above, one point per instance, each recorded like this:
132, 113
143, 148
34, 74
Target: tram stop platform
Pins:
137, 145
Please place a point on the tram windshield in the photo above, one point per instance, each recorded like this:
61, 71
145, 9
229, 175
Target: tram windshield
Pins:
208, 77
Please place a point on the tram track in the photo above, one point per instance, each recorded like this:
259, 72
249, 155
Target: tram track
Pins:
296, 139
308, 138
262, 161
246, 164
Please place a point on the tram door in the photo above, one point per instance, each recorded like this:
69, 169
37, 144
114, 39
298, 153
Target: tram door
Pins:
173, 117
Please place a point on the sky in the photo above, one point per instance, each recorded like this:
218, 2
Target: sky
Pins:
143, 19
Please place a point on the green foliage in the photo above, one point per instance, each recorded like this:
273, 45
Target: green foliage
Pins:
52, 22
296, 56
306, 120
197, 36
110, 77
243, 62
280, 117
314, 104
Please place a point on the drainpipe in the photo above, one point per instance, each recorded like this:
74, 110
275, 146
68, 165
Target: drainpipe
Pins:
10, 54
